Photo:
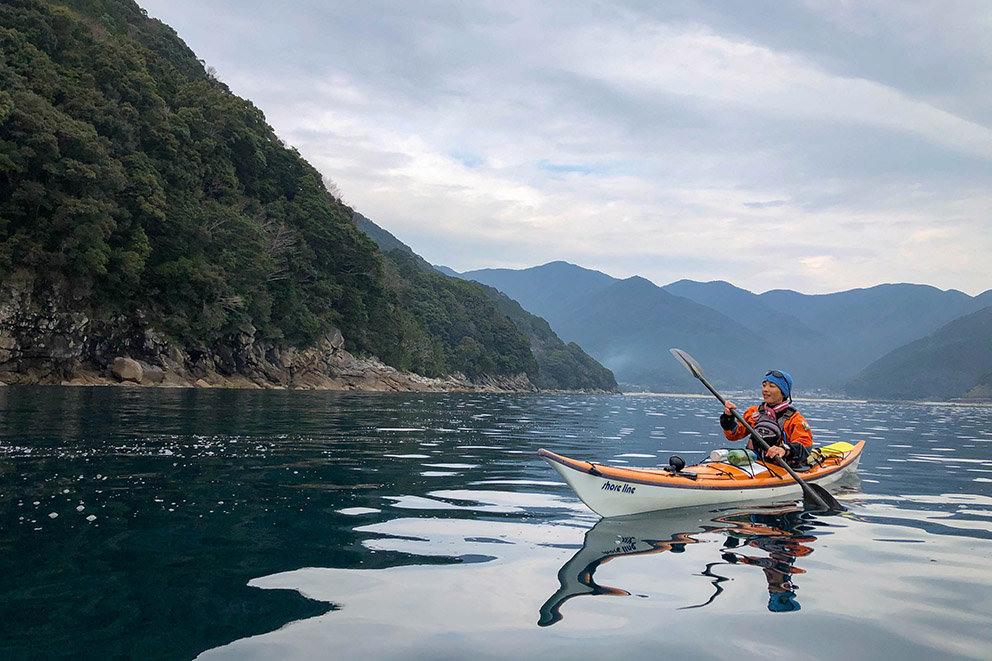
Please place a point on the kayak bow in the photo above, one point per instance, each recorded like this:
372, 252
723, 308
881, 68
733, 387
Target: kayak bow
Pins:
617, 491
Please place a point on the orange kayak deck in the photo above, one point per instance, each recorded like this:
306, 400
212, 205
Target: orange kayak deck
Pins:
711, 474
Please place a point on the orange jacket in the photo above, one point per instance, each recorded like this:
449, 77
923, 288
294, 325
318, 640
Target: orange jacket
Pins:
795, 427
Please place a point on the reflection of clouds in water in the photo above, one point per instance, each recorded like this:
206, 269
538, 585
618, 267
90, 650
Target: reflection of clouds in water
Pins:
358, 511
454, 538
504, 502
406, 611
435, 606
942, 596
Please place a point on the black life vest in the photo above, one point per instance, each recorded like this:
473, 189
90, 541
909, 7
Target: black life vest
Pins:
769, 427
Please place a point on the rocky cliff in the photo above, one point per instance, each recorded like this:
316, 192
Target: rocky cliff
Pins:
41, 343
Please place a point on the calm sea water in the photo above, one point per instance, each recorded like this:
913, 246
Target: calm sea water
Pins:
143, 523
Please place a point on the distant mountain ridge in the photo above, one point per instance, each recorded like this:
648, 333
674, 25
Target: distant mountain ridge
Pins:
953, 362
629, 327
627, 324
825, 340
551, 288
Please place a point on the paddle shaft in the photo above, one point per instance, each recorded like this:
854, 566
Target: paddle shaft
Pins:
807, 490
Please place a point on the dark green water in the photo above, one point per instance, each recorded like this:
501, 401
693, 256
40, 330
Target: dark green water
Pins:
235, 524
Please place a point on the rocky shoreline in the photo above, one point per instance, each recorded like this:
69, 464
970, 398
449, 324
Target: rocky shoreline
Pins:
320, 368
44, 345
326, 366
341, 372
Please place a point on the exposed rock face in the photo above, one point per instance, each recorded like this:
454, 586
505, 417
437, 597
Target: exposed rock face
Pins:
39, 344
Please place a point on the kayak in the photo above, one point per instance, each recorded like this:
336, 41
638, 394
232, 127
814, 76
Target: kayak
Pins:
620, 491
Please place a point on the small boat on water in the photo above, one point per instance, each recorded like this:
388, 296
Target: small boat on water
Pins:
620, 491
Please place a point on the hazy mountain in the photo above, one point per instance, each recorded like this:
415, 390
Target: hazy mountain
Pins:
548, 290
798, 346
824, 340
862, 325
952, 362
853, 327
448, 271
895, 313
745, 307
629, 325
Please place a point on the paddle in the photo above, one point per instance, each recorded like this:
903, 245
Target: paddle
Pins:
812, 493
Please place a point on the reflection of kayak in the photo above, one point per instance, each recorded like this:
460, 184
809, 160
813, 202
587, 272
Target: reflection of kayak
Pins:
657, 533
617, 491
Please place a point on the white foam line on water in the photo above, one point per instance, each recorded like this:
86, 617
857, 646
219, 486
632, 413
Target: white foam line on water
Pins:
452, 465
962, 460
538, 483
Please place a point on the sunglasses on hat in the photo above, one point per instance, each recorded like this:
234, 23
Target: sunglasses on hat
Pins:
775, 373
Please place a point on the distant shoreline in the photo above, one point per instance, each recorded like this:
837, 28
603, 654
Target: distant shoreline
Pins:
448, 385
831, 399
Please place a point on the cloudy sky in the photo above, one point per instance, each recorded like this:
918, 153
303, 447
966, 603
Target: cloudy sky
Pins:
815, 145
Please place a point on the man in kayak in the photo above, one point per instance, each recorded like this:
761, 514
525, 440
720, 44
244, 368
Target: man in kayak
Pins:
780, 425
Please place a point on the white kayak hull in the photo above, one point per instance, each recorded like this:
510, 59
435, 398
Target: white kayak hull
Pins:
620, 495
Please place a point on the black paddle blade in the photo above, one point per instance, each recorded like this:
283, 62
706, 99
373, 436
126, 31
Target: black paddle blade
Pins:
825, 496
688, 362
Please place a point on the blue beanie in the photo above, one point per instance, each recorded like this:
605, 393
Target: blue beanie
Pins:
784, 602
783, 382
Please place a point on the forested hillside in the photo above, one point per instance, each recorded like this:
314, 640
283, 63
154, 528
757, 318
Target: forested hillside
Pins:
138, 194
137, 181
559, 366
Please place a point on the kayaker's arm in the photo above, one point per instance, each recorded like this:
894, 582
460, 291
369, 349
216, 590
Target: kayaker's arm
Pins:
797, 430
728, 421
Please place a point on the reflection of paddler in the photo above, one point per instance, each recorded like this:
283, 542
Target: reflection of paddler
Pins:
778, 566
673, 531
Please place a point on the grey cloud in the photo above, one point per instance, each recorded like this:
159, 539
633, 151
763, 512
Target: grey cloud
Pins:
480, 87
